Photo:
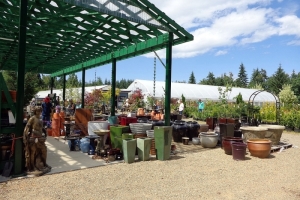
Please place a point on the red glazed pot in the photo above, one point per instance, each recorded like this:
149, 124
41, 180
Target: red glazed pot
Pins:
227, 141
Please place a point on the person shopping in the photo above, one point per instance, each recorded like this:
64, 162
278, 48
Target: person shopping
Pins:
200, 105
181, 107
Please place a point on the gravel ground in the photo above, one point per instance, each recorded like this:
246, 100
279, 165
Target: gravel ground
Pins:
202, 175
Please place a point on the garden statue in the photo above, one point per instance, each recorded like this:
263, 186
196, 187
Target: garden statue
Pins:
34, 138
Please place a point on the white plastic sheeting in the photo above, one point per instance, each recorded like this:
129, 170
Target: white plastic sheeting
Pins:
43, 94
196, 91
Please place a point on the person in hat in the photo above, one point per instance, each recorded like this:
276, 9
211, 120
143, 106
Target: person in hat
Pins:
46, 109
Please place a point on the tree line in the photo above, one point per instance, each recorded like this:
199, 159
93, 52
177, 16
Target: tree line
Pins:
259, 80
35, 82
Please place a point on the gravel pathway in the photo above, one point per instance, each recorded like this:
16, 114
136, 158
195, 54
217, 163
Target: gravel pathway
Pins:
202, 175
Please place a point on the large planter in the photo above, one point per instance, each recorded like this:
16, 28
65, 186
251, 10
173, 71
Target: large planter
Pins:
226, 130
129, 148
155, 123
227, 142
259, 147
179, 130
209, 139
193, 129
138, 128
274, 132
143, 147
163, 138
252, 132
116, 135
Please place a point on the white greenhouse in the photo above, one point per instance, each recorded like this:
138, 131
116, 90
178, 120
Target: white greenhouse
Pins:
76, 91
196, 91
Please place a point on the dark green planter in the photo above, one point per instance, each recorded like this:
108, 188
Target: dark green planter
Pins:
129, 148
163, 138
143, 146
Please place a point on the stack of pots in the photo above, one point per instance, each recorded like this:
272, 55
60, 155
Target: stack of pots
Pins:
150, 134
193, 129
180, 130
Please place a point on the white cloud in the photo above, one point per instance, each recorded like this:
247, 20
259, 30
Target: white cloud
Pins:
294, 43
219, 53
224, 23
289, 25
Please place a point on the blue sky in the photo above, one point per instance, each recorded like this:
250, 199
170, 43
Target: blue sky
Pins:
258, 33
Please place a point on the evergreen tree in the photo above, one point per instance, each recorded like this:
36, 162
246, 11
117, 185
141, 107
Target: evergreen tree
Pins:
58, 82
258, 77
209, 80
277, 80
228, 79
242, 80
192, 79
295, 85
72, 81
220, 80
31, 83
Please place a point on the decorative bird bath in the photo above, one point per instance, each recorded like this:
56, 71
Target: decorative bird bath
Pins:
100, 141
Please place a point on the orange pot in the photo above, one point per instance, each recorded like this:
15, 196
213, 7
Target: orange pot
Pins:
49, 132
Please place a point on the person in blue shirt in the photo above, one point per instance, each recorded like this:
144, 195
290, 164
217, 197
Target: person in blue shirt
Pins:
46, 109
200, 105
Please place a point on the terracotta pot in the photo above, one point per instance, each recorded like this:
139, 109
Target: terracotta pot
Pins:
227, 142
259, 147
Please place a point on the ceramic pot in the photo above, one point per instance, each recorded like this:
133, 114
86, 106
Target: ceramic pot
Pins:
196, 140
238, 150
179, 130
274, 132
193, 129
163, 139
259, 147
250, 132
204, 128
185, 140
209, 139
143, 146
226, 143
129, 148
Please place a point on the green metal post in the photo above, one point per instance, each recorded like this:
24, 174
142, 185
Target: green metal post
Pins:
168, 79
113, 87
82, 88
64, 88
51, 85
18, 167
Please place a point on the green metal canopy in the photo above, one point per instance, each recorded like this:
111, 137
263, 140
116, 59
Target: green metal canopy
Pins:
66, 36
60, 37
